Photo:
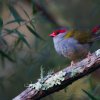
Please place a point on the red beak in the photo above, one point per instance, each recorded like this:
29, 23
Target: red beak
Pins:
52, 34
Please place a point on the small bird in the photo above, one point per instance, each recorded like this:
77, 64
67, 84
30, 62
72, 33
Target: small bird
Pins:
74, 44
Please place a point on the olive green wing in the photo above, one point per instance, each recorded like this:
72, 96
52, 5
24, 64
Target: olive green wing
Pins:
81, 36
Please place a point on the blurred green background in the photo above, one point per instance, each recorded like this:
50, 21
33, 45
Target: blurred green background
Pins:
25, 45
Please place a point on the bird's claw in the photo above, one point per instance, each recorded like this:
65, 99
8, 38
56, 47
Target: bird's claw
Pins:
89, 56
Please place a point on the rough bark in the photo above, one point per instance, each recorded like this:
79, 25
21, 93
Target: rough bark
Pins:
81, 69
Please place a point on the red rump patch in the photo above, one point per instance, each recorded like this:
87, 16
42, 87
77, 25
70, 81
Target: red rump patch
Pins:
95, 29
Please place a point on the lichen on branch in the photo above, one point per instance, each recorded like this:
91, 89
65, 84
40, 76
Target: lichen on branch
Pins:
59, 80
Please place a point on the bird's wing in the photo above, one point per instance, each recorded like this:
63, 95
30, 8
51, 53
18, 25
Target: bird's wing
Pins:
80, 36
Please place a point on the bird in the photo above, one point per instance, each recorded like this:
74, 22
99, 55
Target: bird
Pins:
74, 44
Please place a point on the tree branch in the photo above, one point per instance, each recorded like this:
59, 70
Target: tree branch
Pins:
60, 80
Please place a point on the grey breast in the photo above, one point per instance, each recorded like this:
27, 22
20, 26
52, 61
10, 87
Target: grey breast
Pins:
69, 47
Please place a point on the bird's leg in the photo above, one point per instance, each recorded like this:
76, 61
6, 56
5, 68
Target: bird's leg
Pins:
89, 56
73, 63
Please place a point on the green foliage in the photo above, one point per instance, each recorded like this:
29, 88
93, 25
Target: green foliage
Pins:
91, 96
34, 9
33, 32
1, 24
21, 37
17, 42
25, 13
15, 14
3, 54
9, 31
16, 20
1, 83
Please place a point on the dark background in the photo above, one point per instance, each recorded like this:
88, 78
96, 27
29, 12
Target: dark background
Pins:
47, 15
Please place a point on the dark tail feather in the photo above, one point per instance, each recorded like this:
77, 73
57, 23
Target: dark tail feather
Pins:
96, 38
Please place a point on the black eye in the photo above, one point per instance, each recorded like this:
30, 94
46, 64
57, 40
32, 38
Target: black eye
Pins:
57, 33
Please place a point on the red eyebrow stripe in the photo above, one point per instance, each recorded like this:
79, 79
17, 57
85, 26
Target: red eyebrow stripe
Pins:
60, 31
